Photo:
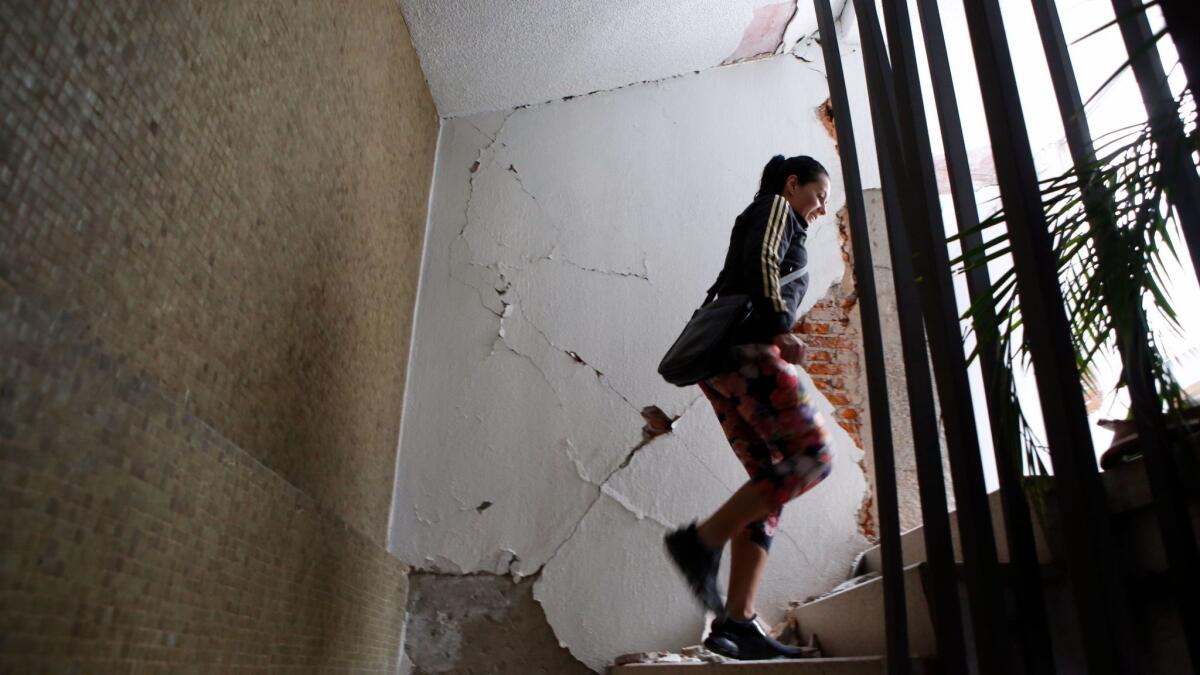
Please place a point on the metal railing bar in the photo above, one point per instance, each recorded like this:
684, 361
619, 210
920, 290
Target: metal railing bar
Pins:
887, 502
1183, 183
942, 592
1026, 577
1170, 505
924, 223
1097, 585
1183, 20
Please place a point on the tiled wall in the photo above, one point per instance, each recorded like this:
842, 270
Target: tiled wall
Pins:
136, 538
233, 196
211, 221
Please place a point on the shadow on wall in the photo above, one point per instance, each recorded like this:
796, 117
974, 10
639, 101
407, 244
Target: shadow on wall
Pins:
135, 533
227, 194
213, 219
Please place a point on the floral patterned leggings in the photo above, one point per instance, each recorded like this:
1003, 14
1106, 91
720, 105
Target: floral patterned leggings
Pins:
773, 428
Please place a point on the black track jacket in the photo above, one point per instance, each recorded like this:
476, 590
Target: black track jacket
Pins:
768, 243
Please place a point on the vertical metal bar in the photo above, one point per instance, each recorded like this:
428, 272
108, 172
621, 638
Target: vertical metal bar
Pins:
1026, 576
895, 616
924, 223
1182, 184
1183, 23
1170, 506
1096, 581
939, 552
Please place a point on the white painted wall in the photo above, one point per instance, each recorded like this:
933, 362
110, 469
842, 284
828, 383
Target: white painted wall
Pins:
481, 55
556, 274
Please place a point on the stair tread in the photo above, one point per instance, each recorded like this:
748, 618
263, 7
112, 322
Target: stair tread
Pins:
847, 665
865, 584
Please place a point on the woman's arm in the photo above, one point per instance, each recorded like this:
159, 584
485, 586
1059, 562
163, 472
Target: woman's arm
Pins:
768, 235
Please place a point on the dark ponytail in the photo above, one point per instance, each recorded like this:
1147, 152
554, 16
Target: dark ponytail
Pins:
775, 173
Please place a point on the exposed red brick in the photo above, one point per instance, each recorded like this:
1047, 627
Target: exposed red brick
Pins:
866, 521
824, 369
831, 342
838, 399
825, 114
834, 345
829, 384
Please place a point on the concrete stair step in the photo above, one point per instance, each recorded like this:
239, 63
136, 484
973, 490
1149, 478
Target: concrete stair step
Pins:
861, 665
850, 623
1129, 501
912, 542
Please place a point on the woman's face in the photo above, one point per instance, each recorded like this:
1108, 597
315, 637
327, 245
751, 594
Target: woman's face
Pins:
807, 199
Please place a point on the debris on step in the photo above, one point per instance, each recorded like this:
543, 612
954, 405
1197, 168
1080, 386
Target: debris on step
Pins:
693, 654
814, 645
788, 633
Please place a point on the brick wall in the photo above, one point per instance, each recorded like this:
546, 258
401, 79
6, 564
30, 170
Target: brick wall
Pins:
210, 233
835, 345
833, 358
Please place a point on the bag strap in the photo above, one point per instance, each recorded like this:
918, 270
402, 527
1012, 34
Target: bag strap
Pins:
712, 291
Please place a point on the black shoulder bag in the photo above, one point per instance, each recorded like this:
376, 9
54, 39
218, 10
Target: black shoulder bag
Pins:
699, 351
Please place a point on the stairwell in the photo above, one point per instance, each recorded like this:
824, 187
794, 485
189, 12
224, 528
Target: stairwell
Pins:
847, 623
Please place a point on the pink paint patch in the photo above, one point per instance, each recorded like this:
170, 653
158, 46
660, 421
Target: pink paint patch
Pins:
765, 32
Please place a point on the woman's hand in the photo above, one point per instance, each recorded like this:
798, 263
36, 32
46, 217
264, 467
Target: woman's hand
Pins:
791, 348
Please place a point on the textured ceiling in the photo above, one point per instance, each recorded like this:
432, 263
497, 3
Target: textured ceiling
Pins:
483, 55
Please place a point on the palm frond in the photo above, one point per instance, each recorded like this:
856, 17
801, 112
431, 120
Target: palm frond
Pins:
1110, 272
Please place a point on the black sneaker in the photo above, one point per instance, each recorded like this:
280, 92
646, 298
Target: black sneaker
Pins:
698, 564
747, 641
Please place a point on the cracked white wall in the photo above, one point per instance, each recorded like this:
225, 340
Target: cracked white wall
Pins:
567, 245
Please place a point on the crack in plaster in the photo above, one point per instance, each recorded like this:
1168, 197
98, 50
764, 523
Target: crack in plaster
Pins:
630, 507
474, 126
563, 99
580, 360
698, 456
482, 159
574, 530
485, 159
644, 275
804, 43
513, 170
601, 492
482, 162
838, 19
512, 350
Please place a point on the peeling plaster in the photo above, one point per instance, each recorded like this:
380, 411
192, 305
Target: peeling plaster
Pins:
764, 36
540, 331
479, 624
